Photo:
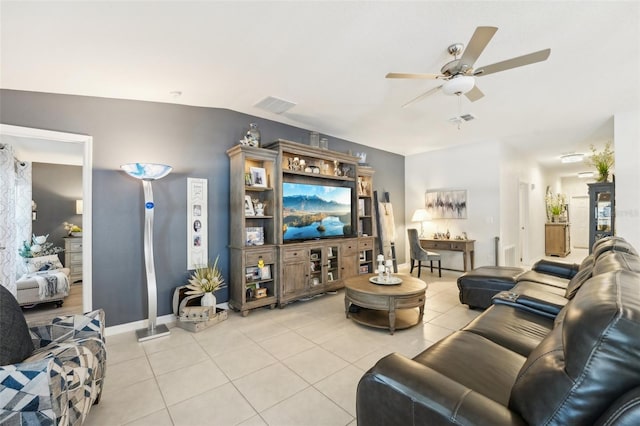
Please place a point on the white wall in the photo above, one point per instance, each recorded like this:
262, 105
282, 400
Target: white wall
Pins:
474, 167
627, 153
515, 169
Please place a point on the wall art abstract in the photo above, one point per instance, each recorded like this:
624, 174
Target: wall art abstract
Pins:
446, 204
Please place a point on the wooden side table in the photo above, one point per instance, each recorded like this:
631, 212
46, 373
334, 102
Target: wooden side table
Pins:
385, 306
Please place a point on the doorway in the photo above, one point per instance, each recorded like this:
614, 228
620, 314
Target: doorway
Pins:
523, 222
51, 146
579, 207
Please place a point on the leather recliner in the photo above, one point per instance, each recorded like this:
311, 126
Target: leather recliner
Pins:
515, 367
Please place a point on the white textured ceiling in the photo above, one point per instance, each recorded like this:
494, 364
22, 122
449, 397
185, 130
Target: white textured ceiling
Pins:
330, 58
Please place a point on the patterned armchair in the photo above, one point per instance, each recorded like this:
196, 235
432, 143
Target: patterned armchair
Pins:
62, 377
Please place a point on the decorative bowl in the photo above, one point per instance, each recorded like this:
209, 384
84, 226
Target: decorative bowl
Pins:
76, 234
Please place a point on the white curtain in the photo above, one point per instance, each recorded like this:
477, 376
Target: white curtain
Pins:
15, 213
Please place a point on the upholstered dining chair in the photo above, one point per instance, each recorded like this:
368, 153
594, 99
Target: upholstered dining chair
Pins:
420, 254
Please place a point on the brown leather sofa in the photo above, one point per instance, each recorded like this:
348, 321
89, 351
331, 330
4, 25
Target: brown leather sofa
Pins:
515, 365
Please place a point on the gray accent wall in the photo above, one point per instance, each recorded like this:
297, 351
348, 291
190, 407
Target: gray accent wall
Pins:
194, 141
56, 187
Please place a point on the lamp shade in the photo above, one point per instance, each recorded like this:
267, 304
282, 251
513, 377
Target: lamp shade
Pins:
146, 171
458, 85
420, 215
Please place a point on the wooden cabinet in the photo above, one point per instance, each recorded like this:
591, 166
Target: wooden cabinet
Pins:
602, 212
73, 257
274, 235
315, 267
253, 235
556, 239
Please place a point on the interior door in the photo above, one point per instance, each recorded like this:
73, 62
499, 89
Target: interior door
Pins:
523, 222
579, 230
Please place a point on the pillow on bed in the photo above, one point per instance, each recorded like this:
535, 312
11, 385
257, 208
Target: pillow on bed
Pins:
15, 341
35, 264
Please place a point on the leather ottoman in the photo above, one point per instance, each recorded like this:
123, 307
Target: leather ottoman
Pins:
478, 286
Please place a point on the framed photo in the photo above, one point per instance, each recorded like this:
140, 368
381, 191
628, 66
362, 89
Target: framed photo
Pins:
252, 273
364, 269
248, 206
254, 236
197, 225
258, 177
363, 256
265, 272
247, 179
446, 204
329, 276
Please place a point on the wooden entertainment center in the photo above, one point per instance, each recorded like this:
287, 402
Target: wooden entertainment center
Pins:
268, 269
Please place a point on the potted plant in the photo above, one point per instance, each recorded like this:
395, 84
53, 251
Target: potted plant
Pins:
555, 206
602, 161
205, 280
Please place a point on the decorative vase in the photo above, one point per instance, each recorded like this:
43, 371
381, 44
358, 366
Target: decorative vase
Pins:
254, 135
208, 299
603, 177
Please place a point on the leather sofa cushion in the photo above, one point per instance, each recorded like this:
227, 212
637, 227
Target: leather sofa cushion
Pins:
15, 341
589, 360
613, 244
546, 279
614, 260
475, 362
514, 329
524, 286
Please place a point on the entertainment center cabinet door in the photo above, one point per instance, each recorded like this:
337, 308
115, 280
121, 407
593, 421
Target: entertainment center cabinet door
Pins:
349, 259
295, 274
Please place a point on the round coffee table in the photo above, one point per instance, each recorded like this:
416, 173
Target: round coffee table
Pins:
385, 306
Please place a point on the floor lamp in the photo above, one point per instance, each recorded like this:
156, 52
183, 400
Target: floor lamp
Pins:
148, 172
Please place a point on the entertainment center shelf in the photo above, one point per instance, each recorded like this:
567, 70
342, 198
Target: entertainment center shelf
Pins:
302, 216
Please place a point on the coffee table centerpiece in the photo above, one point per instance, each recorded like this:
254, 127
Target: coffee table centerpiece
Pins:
384, 276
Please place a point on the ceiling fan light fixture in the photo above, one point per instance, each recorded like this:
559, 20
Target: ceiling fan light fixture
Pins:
458, 85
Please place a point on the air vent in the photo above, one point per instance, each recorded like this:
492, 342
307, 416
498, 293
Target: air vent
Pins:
275, 105
462, 118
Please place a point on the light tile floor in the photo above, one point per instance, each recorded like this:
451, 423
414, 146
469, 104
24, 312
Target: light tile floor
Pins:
294, 366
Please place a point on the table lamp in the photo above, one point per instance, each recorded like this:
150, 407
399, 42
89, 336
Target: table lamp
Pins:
148, 172
421, 215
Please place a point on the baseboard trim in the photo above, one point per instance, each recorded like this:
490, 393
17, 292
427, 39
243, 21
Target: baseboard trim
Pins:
136, 325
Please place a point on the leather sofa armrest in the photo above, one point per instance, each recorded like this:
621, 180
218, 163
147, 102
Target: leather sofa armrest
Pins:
558, 269
538, 302
398, 390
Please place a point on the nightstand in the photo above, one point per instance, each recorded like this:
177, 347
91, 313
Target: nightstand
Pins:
73, 257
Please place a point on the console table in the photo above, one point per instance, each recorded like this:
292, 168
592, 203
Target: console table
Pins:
466, 247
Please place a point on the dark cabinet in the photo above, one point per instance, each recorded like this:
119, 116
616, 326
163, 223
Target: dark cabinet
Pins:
602, 211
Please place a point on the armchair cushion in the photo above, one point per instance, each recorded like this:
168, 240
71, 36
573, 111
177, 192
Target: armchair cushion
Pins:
15, 341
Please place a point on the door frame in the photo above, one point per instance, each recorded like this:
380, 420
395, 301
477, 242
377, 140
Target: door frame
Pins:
50, 136
523, 222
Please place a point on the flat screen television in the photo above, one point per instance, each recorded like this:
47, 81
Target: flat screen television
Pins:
312, 211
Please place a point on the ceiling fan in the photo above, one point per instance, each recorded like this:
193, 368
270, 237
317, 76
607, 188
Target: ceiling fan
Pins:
459, 74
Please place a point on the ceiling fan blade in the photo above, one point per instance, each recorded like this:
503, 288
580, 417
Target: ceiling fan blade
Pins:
474, 94
424, 95
479, 40
531, 58
413, 75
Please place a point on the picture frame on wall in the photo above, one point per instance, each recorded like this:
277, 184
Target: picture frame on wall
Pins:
258, 177
446, 203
